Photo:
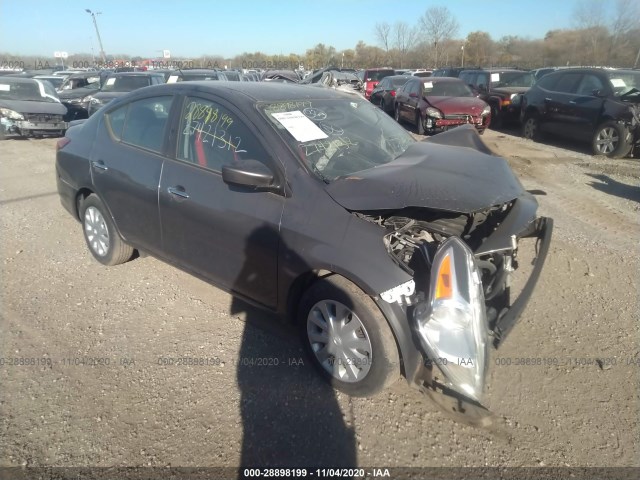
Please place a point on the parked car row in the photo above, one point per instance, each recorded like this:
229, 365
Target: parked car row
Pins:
596, 105
80, 94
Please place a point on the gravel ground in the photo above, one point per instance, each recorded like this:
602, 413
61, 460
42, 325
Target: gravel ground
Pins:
96, 391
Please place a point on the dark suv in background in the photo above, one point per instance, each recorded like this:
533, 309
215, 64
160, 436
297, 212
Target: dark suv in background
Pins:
501, 89
447, 72
598, 105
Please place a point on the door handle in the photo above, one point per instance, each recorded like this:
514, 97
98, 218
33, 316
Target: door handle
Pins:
572, 102
99, 165
178, 192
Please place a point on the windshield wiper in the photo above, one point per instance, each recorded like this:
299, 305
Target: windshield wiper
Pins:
633, 90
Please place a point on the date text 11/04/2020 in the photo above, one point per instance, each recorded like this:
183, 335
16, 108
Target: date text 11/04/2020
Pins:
602, 362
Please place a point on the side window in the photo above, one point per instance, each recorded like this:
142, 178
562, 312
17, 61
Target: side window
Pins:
466, 77
415, 88
115, 121
211, 136
588, 84
568, 83
145, 122
548, 82
482, 81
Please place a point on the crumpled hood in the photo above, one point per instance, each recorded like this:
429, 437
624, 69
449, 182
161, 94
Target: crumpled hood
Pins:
24, 106
451, 105
453, 171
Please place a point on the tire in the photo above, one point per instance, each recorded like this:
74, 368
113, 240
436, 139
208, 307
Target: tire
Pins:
419, 124
396, 113
531, 128
496, 118
383, 107
610, 139
327, 313
102, 238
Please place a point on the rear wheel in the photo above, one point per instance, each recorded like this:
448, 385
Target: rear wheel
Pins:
100, 233
347, 338
396, 113
610, 139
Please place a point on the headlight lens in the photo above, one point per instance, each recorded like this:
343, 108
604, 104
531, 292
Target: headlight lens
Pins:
452, 324
486, 110
95, 101
434, 112
8, 113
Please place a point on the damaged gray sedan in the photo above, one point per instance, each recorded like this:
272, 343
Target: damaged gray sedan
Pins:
393, 257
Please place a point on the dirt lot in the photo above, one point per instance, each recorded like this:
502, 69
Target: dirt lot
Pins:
96, 390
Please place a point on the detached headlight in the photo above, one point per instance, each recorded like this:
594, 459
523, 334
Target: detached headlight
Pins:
13, 115
452, 324
486, 110
434, 112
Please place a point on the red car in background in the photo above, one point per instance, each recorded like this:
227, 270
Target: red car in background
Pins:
371, 78
437, 104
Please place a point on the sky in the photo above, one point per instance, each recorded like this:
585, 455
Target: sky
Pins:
192, 28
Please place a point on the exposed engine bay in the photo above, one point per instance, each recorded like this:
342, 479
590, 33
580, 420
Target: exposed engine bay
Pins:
414, 236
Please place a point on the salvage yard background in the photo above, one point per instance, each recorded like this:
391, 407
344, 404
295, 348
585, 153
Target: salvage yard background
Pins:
256, 399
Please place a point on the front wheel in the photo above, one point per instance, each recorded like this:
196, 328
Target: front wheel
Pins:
347, 338
531, 128
610, 139
419, 124
100, 233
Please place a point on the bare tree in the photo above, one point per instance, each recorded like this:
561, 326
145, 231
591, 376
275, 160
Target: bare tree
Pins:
625, 19
438, 25
404, 38
382, 32
590, 17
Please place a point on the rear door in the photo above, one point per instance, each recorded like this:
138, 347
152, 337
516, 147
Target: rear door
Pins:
226, 234
560, 105
585, 108
126, 162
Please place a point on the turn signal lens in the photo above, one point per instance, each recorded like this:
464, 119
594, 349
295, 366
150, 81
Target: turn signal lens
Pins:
444, 279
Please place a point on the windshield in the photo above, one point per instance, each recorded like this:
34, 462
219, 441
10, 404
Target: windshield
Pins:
55, 81
337, 137
447, 89
32, 91
625, 83
127, 83
512, 79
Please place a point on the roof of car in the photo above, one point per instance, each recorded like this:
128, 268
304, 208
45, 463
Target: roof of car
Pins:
134, 74
259, 91
6, 78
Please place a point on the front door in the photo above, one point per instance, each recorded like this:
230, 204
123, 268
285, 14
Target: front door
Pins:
227, 234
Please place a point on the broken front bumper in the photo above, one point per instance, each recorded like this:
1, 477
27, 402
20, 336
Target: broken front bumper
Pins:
451, 325
25, 128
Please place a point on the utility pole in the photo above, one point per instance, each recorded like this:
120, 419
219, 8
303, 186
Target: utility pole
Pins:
462, 48
95, 24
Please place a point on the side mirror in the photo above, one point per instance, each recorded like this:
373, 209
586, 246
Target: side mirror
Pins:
248, 173
598, 93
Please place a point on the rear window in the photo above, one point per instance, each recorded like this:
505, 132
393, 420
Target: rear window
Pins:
377, 75
126, 83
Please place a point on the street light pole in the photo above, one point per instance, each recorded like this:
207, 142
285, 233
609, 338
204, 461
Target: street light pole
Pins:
95, 24
462, 48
